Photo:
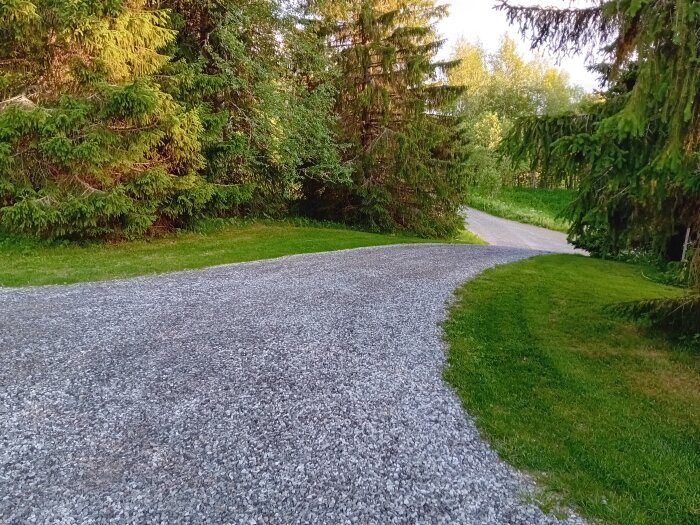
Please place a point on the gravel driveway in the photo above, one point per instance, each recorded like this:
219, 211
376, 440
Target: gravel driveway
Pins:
305, 389
503, 232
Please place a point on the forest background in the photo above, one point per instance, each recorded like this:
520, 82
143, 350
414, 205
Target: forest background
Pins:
124, 118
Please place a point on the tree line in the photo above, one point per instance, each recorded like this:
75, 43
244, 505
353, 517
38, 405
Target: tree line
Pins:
499, 88
122, 118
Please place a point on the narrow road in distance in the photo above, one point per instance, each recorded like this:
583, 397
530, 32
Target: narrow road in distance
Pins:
503, 232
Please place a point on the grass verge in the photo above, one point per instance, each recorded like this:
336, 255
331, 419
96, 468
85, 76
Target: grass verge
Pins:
26, 262
604, 415
537, 206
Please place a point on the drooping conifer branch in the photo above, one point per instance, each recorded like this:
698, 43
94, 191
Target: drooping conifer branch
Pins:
562, 31
638, 155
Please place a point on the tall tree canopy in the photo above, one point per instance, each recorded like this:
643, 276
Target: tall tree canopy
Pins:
391, 103
636, 149
499, 88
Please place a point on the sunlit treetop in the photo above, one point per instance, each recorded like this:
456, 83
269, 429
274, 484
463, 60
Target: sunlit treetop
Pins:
660, 40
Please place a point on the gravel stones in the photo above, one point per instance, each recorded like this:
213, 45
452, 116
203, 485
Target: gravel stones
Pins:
305, 389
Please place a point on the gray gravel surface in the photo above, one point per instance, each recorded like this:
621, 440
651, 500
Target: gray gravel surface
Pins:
502, 232
305, 389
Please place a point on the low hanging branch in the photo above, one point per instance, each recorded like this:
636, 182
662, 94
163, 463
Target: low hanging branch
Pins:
19, 100
636, 148
563, 31
679, 315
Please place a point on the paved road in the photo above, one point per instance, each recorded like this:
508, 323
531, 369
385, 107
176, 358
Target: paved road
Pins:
305, 389
502, 232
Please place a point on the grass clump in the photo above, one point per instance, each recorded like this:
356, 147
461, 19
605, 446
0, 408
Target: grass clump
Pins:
604, 414
538, 206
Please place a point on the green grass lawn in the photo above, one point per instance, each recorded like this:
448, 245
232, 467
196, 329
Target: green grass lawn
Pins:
536, 206
25, 262
604, 415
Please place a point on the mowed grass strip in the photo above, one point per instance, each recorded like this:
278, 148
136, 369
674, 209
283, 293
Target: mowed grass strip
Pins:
538, 206
24, 262
605, 415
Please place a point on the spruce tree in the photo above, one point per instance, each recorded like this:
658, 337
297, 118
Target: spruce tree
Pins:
637, 148
391, 97
261, 80
90, 146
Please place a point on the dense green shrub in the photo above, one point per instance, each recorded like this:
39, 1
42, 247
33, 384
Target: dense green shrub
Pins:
264, 84
91, 146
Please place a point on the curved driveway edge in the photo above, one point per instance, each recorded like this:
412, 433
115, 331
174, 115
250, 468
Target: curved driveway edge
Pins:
306, 389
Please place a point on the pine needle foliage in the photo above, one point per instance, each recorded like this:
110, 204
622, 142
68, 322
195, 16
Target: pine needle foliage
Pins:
391, 101
636, 150
265, 84
659, 40
90, 146
677, 316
